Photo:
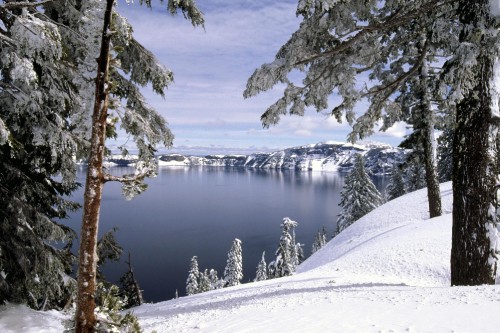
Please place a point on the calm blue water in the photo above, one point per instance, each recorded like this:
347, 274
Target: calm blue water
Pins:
199, 211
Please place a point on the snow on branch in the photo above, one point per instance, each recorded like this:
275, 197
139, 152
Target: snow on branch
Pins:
391, 22
7, 39
133, 184
401, 79
23, 4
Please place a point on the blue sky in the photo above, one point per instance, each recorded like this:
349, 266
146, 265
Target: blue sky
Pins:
204, 106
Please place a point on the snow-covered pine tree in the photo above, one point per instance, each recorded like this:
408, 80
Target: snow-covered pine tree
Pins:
338, 41
108, 250
261, 274
286, 254
414, 92
319, 240
142, 122
110, 311
445, 155
233, 273
413, 168
271, 269
47, 83
204, 282
36, 157
359, 195
215, 282
192, 285
130, 287
396, 187
299, 250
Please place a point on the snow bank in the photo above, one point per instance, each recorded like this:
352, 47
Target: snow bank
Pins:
21, 319
395, 243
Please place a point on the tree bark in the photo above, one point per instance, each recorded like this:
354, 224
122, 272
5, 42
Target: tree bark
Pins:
473, 166
85, 319
431, 177
425, 126
427, 137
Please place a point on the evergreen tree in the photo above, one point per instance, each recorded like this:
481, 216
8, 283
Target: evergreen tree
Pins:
358, 197
286, 254
215, 282
261, 274
299, 249
339, 41
233, 273
319, 240
392, 42
445, 155
271, 270
204, 282
36, 152
110, 310
108, 250
130, 287
47, 82
192, 286
396, 187
142, 122
413, 168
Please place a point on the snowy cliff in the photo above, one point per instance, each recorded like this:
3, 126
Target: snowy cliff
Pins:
327, 156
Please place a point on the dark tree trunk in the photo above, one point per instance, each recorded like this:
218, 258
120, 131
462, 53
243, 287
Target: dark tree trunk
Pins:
431, 177
426, 127
85, 304
427, 138
473, 167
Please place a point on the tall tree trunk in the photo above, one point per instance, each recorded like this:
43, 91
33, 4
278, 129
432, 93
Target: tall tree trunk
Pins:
85, 317
473, 166
431, 177
427, 137
424, 123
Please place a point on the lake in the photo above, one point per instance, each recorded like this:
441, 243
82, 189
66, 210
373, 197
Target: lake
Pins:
190, 211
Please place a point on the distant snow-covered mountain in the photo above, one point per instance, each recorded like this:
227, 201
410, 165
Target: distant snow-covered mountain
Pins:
327, 156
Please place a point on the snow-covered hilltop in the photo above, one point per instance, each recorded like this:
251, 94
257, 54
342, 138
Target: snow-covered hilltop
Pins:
327, 156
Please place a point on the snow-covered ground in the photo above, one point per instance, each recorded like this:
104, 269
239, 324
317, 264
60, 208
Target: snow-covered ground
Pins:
388, 272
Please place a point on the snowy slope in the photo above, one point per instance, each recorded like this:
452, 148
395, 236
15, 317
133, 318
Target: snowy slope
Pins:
388, 272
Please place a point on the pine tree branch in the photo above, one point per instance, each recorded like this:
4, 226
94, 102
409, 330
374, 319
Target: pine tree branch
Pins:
124, 179
393, 21
23, 4
396, 83
7, 39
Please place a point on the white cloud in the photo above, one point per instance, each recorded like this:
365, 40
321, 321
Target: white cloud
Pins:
398, 130
204, 106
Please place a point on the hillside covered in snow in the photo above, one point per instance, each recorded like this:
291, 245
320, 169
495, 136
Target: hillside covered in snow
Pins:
388, 272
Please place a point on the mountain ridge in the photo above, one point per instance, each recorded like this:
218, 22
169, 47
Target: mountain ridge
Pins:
324, 156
